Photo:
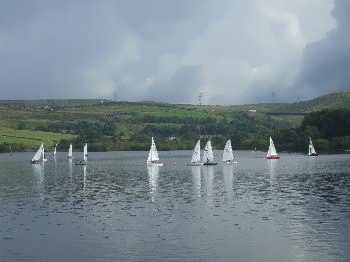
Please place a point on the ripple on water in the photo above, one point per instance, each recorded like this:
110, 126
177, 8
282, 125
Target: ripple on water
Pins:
116, 208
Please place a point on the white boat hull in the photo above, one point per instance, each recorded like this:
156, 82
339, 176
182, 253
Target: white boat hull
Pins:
230, 162
195, 164
155, 164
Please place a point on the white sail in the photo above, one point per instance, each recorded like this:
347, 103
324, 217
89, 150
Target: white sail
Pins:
228, 154
37, 156
55, 150
85, 152
312, 150
208, 155
70, 151
153, 153
43, 154
272, 149
196, 156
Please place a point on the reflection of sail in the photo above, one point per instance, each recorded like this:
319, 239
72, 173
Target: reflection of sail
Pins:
208, 174
272, 169
153, 173
227, 171
70, 167
38, 171
84, 176
39, 174
196, 179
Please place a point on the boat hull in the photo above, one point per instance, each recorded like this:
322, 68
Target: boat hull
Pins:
155, 164
313, 154
273, 157
210, 164
230, 162
195, 164
81, 163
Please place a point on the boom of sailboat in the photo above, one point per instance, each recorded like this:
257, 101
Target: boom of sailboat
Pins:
206, 159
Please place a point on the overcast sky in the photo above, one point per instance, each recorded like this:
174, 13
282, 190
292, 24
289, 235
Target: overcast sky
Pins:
234, 51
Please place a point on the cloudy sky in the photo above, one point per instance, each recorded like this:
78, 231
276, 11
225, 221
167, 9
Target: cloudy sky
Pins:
234, 51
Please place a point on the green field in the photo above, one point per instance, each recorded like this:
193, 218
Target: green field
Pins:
110, 125
29, 139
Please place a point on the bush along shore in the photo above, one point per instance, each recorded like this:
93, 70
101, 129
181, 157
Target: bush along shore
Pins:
112, 126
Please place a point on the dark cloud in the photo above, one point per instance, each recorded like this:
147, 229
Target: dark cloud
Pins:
182, 87
326, 63
234, 51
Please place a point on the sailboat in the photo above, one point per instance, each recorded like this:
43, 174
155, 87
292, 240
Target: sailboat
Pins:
271, 153
85, 152
83, 162
39, 156
196, 156
312, 151
153, 158
70, 152
208, 155
227, 156
55, 150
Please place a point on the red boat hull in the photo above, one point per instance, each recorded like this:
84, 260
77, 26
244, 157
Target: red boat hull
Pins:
273, 157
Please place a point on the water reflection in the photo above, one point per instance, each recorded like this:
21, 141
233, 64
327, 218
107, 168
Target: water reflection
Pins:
227, 172
84, 177
39, 175
70, 168
91, 216
208, 175
39, 172
196, 180
153, 173
272, 165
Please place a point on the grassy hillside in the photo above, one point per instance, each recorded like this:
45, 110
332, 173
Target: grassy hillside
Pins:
19, 140
330, 101
109, 125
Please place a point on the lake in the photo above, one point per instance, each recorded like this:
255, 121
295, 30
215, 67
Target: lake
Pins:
117, 209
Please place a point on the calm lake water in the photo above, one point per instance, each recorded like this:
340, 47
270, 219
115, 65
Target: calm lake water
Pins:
115, 209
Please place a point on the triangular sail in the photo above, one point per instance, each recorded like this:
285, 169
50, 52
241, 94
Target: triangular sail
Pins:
228, 154
272, 149
208, 155
70, 151
196, 156
85, 152
42, 153
153, 153
37, 156
312, 150
55, 150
